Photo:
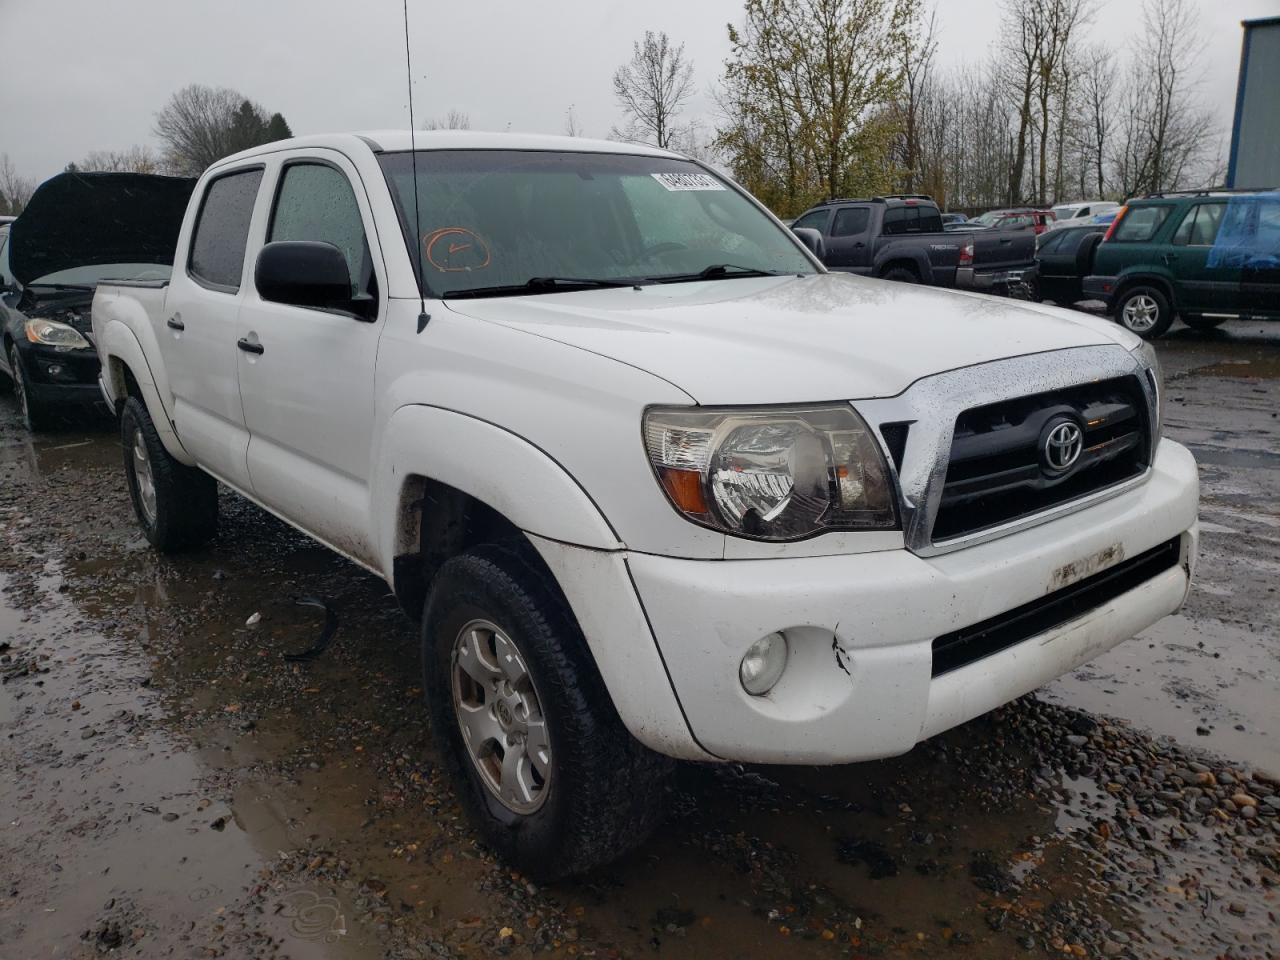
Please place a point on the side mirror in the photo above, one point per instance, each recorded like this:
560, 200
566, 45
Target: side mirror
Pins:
812, 239
304, 273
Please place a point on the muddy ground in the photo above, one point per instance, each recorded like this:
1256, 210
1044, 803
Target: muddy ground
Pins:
174, 786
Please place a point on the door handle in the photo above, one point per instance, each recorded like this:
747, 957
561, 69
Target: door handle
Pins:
175, 323
250, 346
1170, 257
859, 245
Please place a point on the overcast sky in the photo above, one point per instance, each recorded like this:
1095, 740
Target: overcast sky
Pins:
82, 75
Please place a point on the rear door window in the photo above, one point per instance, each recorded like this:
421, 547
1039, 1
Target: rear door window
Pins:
1199, 228
222, 230
850, 222
1140, 224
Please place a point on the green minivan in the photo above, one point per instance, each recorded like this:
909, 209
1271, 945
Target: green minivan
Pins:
1204, 257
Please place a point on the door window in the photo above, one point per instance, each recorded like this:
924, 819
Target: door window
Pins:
222, 230
1199, 228
813, 220
315, 202
1140, 224
850, 222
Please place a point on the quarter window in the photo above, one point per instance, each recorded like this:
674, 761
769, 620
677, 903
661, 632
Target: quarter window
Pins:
222, 230
1140, 224
316, 202
850, 222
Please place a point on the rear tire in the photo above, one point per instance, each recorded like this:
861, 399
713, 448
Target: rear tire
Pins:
35, 415
900, 275
1203, 323
502, 653
1145, 311
176, 505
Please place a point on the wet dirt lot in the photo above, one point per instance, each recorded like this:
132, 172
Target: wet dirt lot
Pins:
175, 786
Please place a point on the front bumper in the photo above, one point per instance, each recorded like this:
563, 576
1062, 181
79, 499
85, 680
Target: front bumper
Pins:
67, 378
859, 683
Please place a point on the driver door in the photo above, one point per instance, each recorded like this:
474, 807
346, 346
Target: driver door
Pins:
307, 373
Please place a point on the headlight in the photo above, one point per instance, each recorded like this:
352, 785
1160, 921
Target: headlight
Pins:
54, 334
779, 473
1145, 353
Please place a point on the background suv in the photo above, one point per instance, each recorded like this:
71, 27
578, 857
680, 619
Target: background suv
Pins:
1205, 256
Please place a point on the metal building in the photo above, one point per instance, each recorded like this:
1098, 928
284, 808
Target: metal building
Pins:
1255, 132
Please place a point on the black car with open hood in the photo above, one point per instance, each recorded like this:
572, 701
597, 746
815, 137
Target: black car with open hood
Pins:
78, 229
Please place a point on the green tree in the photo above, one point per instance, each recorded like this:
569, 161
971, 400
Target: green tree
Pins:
808, 95
200, 125
278, 129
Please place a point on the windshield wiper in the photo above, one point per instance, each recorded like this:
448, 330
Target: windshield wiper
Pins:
538, 285
717, 271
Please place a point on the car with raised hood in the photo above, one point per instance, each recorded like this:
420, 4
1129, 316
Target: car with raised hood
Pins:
77, 230
654, 482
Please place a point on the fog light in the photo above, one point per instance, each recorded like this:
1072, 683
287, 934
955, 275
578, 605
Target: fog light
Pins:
763, 664
54, 369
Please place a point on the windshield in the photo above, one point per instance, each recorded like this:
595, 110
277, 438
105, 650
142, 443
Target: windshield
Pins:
494, 220
1066, 212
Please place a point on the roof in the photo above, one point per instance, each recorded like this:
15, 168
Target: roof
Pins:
1260, 22
391, 141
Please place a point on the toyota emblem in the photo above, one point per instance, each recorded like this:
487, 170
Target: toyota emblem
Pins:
1061, 447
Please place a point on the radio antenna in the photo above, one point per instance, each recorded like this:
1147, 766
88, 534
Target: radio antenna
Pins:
423, 318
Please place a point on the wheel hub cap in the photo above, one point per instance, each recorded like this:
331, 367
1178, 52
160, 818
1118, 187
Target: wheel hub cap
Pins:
142, 475
1141, 313
500, 717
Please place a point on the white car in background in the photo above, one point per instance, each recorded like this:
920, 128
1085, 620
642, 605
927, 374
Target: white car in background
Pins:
1080, 212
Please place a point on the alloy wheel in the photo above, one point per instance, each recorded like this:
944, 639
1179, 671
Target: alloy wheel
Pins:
1140, 313
144, 478
500, 716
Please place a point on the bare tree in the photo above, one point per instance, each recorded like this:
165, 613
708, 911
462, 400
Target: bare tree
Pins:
15, 191
572, 128
1096, 97
1166, 135
200, 125
652, 89
136, 159
917, 79
453, 120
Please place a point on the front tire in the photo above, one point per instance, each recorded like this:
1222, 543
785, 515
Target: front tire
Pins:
176, 505
35, 415
1145, 311
541, 760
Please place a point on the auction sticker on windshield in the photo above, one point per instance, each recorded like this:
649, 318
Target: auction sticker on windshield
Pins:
688, 181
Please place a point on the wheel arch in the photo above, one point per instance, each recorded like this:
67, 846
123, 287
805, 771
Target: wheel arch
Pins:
1130, 280
448, 481
126, 372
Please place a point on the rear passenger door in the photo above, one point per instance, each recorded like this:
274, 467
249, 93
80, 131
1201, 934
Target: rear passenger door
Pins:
1260, 272
197, 329
848, 247
1204, 283
307, 373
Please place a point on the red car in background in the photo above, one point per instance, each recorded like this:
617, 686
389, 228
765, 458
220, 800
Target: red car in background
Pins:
1020, 218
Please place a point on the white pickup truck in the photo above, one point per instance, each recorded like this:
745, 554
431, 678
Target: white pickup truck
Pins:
656, 483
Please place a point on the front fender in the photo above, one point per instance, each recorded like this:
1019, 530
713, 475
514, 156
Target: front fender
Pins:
118, 342
497, 467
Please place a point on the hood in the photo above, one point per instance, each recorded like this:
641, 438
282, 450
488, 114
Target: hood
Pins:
792, 340
83, 219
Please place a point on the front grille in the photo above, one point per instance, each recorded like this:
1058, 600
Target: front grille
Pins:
998, 473
962, 647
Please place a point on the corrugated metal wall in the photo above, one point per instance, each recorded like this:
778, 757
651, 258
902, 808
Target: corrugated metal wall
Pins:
1255, 142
